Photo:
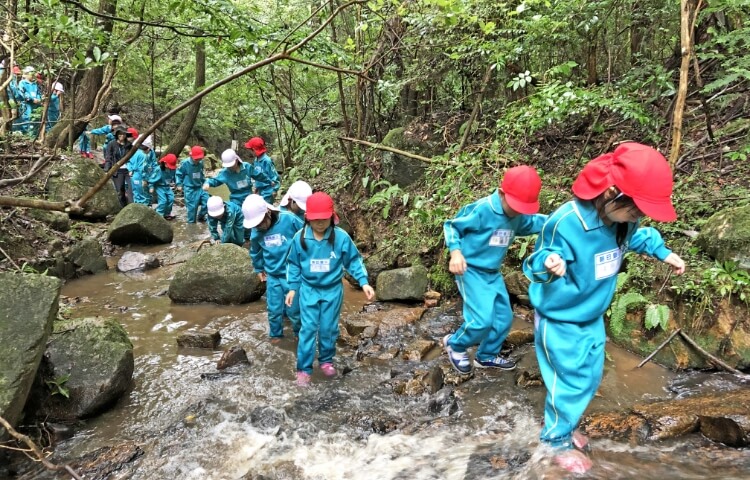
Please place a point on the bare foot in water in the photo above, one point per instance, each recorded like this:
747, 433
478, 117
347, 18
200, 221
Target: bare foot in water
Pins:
574, 461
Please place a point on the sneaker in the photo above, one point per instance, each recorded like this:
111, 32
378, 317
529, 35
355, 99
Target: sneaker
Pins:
500, 362
328, 369
574, 461
459, 361
580, 441
303, 379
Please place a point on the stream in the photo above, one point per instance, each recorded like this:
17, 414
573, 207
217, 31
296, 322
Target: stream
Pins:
254, 423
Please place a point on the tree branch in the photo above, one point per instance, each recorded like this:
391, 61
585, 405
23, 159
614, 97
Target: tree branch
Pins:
331, 68
394, 150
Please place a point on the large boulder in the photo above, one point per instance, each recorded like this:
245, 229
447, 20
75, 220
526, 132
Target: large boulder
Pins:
726, 236
88, 366
398, 169
220, 274
74, 178
402, 284
81, 258
28, 307
138, 223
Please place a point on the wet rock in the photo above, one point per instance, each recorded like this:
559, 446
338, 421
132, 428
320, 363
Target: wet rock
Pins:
529, 378
516, 338
139, 224
402, 284
220, 274
233, 356
418, 381
267, 418
76, 177
29, 307
398, 318
356, 324
87, 257
103, 462
57, 221
452, 377
208, 339
90, 359
416, 350
723, 430
136, 262
431, 299
279, 470
516, 282
726, 236
377, 422
618, 425
443, 401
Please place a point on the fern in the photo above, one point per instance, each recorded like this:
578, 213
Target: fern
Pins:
657, 316
620, 309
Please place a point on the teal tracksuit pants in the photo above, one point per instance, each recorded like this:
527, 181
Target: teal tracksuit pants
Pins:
571, 359
164, 199
276, 290
487, 313
195, 203
139, 194
320, 308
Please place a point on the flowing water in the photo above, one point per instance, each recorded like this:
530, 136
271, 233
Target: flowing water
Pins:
254, 423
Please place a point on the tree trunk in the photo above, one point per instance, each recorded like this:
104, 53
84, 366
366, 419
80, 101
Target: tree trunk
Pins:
679, 108
87, 90
191, 114
592, 78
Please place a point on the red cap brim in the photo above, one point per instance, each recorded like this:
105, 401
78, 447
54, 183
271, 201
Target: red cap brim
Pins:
659, 210
522, 207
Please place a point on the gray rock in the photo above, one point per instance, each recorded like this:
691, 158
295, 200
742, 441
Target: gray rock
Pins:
28, 307
76, 177
136, 262
97, 356
87, 257
58, 221
220, 274
139, 224
231, 357
202, 339
408, 283
726, 236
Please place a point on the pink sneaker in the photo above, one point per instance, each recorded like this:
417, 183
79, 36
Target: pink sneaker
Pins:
580, 441
328, 369
303, 379
574, 461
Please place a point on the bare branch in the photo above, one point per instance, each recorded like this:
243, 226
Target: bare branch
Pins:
331, 68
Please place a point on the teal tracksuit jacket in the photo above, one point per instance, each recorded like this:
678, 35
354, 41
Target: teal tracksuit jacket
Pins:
569, 326
315, 273
240, 184
483, 233
266, 177
268, 251
191, 177
232, 230
159, 179
140, 166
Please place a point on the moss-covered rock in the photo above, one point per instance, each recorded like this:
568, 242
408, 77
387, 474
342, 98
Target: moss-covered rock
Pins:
220, 274
402, 284
139, 224
398, 169
726, 236
28, 307
74, 178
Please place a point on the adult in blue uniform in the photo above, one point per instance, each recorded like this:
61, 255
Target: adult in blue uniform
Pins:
236, 175
30, 92
272, 234
478, 239
190, 178
55, 105
265, 176
228, 215
319, 254
574, 273
295, 199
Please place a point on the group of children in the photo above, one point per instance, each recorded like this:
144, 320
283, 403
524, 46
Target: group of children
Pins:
573, 271
27, 96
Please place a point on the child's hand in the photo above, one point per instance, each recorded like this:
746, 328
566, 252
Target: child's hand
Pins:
369, 292
205, 187
262, 276
457, 265
289, 298
555, 265
678, 264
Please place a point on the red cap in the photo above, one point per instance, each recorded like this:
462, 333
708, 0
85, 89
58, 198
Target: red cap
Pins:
521, 186
170, 160
16, 70
133, 132
639, 171
196, 153
320, 207
257, 145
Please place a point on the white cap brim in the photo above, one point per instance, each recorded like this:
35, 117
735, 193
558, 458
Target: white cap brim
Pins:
228, 164
254, 221
216, 212
285, 200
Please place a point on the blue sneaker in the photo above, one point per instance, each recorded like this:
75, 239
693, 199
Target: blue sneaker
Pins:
459, 361
503, 363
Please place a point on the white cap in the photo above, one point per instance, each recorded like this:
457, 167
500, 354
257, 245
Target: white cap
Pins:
29, 69
228, 157
215, 206
254, 209
115, 118
59, 87
149, 142
298, 191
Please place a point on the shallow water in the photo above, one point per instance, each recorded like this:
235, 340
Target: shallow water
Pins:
254, 423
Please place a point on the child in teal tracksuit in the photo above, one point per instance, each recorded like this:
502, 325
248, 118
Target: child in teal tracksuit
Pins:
478, 239
574, 273
264, 171
142, 167
190, 177
272, 234
295, 199
236, 175
229, 216
319, 254
160, 180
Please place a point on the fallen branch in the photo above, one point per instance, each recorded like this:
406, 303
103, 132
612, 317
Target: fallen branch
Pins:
713, 359
40, 456
393, 150
663, 344
10, 259
36, 168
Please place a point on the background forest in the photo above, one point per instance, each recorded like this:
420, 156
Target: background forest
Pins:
460, 89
